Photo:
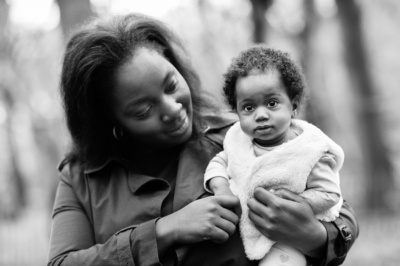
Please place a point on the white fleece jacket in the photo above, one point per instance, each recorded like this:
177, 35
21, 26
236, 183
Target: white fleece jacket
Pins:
286, 166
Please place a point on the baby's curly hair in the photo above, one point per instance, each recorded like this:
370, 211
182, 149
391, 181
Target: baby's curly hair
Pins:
264, 58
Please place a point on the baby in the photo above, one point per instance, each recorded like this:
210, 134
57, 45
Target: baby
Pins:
269, 148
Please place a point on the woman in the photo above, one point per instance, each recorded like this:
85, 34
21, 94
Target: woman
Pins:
131, 188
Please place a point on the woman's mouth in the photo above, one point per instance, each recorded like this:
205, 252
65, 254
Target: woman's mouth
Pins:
181, 127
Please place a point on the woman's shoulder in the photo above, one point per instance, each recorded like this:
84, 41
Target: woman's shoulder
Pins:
218, 123
70, 169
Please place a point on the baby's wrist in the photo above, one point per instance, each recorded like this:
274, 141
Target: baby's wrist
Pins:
225, 190
219, 185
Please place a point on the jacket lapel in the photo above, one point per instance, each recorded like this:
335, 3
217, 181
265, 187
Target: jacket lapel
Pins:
189, 181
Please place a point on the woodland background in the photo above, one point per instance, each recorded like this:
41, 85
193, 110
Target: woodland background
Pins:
348, 49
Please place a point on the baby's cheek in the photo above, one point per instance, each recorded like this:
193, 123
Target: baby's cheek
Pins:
247, 127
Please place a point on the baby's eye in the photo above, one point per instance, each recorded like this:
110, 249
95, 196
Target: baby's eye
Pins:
273, 103
143, 114
248, 108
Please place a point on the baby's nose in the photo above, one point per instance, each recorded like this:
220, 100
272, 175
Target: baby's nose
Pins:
261, 114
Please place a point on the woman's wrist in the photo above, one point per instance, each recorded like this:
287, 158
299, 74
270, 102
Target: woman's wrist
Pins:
165, 234
315, 245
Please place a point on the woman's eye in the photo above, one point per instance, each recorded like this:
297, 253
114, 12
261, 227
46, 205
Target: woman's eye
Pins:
143, 114
172, 86
248, 108
273, 103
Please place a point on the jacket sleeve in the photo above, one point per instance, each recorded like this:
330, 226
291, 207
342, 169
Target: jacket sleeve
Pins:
73, 243
216, 167
341, 235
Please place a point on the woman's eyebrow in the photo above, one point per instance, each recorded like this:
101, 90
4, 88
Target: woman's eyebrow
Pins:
134, 102
137, 100
168, 76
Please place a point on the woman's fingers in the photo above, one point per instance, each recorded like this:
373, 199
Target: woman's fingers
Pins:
257, 207
285, 217
223, 230
225, 220
229, 204
229, 216
210, 218
256, 218
237, 209
268, 198
277, 198
227, 201
288, 195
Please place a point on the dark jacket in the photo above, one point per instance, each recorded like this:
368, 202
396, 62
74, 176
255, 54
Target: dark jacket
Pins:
105, 212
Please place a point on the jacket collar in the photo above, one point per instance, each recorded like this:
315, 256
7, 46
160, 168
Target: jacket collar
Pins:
188, 155
99, 164
189, 179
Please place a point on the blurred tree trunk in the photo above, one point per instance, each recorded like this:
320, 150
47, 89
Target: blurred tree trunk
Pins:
380, 180
15, 180
18, 186
259, 9
73, 13
313, 113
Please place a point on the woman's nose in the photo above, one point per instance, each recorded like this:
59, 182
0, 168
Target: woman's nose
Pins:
171, 110
261, 114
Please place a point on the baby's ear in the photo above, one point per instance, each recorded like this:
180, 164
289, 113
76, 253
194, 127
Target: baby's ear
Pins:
295, 103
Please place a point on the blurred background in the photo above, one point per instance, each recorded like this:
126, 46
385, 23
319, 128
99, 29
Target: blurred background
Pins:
349, 52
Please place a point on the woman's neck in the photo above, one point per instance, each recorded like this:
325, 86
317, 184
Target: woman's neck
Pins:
152, 162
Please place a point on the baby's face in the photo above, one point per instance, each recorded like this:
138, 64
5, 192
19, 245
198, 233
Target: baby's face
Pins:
264, 108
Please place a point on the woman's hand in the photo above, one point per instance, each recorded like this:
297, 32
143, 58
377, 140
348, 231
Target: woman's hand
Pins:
285, 217
210, 218
238, 208
220, 187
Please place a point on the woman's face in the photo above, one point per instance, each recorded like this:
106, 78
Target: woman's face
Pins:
152, 101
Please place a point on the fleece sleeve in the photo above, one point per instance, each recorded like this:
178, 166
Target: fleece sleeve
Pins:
216, 167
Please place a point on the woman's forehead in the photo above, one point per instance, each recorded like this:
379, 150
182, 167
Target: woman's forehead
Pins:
145, 73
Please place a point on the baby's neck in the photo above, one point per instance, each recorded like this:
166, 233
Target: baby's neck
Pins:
290, 134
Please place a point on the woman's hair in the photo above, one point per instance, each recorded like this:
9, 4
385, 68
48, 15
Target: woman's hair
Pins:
93, 55
265, 59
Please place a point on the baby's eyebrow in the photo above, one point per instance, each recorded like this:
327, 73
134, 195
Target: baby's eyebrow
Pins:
273, 94
245, 101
